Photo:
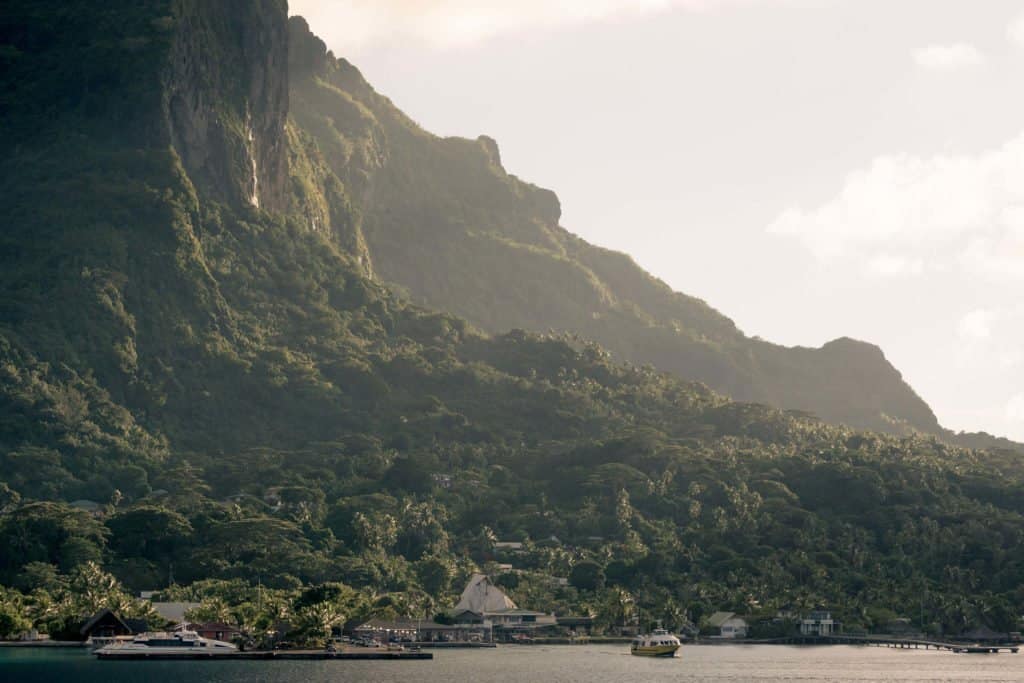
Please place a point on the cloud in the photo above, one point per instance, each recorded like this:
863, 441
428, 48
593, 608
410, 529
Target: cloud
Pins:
955, 56
905, 215
1007, 360
1015, 408
443, 23
976, 325
888, 265
1015, 31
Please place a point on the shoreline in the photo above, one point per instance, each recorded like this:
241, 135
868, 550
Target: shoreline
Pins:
43, 643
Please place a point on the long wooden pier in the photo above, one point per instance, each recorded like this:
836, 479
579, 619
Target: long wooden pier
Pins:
904, 643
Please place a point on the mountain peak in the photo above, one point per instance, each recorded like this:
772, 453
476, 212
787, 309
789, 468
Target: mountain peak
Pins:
490, 146
849, 345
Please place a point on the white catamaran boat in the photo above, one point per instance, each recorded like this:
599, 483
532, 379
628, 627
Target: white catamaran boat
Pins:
660, 643
161, 644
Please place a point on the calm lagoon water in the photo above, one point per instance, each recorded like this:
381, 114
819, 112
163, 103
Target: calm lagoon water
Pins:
547, 664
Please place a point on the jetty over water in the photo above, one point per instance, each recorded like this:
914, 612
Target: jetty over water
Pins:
898, 642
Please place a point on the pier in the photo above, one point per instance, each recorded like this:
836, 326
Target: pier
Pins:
369, 653
451, 644
894, 642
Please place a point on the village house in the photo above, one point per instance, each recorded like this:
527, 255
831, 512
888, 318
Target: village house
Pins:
217, 631
818, 623
513, 547
728, 625
787, 613
443, 481
466, 616
107, 625
576, 625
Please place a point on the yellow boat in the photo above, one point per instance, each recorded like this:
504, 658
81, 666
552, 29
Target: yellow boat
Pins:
660, 643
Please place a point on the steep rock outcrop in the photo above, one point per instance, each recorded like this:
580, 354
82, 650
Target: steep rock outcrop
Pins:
226, 98
208, 79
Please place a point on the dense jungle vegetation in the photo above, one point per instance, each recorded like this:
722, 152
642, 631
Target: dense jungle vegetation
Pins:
192, 385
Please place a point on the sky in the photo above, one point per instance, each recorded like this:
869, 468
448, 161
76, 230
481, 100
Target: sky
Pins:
811, 168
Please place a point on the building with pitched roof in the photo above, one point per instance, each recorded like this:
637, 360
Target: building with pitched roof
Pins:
482, 596
728, 625
106, 625
484, 603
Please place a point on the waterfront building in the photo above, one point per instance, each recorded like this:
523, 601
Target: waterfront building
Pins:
484, 603
578, 625
728, 625
419, 630
217, 631
818, 623
107, 625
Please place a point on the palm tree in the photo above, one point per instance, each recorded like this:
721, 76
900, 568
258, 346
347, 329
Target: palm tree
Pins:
316, 621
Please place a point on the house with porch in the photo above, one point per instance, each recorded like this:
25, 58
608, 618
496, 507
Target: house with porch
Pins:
817, 623
728, 625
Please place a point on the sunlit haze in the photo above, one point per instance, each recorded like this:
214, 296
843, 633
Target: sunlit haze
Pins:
811, 169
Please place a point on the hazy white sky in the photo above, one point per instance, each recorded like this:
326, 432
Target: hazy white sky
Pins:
811, 168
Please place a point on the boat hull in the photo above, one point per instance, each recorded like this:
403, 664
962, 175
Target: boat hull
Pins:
270, 655
654, 650
156, 653
179, 644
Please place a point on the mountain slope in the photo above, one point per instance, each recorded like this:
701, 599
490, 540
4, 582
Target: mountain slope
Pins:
192, 339
447, 225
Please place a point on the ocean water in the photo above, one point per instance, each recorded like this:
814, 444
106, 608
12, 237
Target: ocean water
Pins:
547, 664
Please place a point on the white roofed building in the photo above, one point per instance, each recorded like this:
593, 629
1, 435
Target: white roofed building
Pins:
728, 625
482, 596
818, 623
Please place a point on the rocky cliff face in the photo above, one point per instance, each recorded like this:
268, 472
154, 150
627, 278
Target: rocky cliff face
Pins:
208, 79
327, 102
448, 225
226, 98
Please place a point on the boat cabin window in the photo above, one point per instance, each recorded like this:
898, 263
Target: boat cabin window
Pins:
168, 642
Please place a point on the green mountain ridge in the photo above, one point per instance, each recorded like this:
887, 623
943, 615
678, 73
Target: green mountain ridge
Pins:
195, 339
447, 225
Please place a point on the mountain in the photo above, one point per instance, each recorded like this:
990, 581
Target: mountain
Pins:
447, 225
202, 373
